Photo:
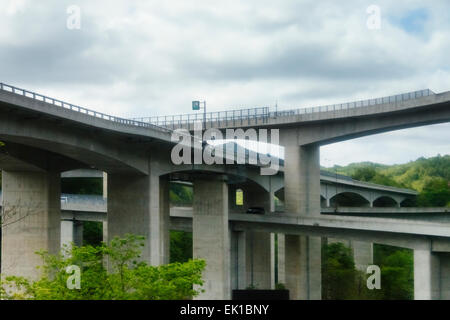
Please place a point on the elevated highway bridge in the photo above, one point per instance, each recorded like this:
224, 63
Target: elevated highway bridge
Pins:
44, 137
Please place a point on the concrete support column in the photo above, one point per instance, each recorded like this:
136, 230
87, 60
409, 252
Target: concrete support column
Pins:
105, 231
71, 232
258, 243
362, 254
258, 260
445, 275
303, 267
281, 259
140, 205
272, 261
78, 233
272, 201
66, 232
211, 235
302, 196
31, 220
238, 260
427, 275
302, 179
105, 185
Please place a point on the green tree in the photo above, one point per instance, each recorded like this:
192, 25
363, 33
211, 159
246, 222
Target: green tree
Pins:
338, 272
180, 246
181, 194
435, 193
127, 277
92, 233
341, 281
364, 174
397, 272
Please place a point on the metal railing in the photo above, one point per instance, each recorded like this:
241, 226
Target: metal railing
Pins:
355, 104
262, 115
237, 117
69, 106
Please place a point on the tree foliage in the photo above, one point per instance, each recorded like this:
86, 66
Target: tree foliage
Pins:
125, 278
338, 272
92, 233
181, 194
342, 281
180, 246
397, 272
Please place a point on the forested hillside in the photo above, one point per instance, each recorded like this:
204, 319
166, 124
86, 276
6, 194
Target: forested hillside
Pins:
430, 177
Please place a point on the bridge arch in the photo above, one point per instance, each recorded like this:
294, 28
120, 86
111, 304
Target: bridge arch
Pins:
408, 202
385, 201
235, 176
349, 199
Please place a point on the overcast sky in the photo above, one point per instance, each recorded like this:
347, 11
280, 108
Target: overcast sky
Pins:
142, 58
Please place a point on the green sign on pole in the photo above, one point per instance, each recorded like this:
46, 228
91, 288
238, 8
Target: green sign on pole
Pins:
195, 105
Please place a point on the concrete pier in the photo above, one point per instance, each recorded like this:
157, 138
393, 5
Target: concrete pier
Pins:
258, 264
258, 260
238, 260
31, 220
211, 235
427, 275
362, 254
302, 179
71, 232
302, 196
445, 275
281, 258
140, 205
303, 267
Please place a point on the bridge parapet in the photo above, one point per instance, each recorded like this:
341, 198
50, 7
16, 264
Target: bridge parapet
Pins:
261, 115
69, 106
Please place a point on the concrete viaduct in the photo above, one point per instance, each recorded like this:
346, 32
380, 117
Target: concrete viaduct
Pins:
44, 136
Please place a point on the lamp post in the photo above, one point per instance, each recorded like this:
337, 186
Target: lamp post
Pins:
196, 106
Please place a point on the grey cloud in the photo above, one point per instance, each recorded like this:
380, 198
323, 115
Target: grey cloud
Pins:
150, 57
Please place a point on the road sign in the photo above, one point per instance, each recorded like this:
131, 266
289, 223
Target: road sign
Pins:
195, 105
